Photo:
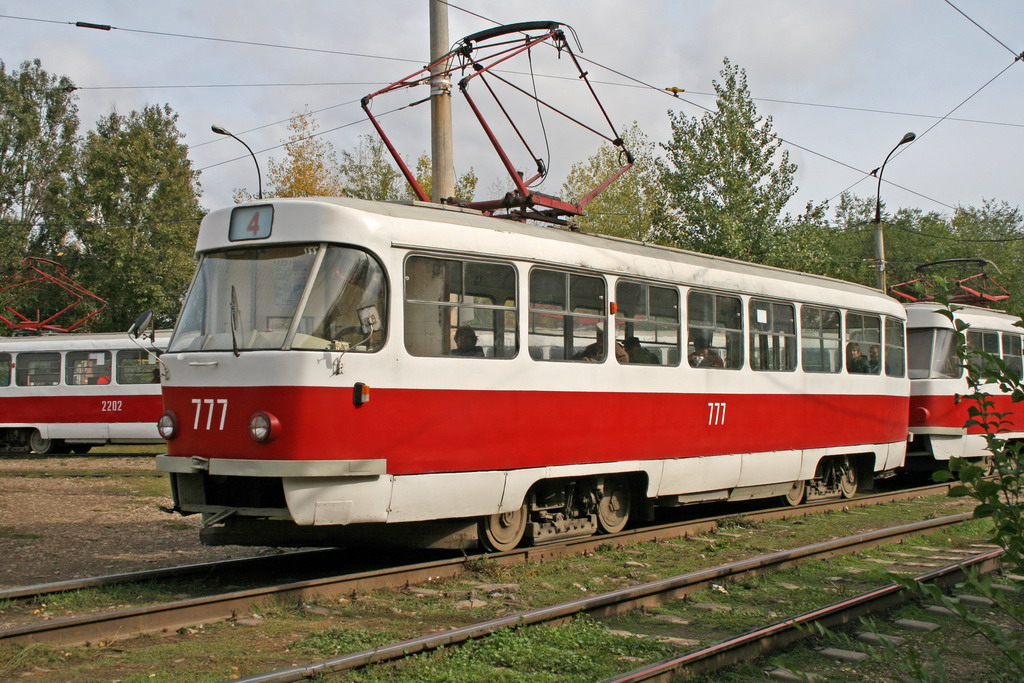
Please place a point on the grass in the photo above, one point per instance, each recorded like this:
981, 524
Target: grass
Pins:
581, 651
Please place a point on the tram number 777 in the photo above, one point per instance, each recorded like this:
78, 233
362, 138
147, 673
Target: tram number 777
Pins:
716, 414
209, 406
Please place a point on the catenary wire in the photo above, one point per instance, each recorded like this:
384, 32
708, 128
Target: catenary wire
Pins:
985, 30
364, 55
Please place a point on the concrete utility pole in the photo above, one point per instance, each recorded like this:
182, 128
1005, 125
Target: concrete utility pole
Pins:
879, 238
441, 155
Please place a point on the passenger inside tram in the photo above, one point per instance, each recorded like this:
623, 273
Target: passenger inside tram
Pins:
855, 361
703, 355
465, 343
636, 353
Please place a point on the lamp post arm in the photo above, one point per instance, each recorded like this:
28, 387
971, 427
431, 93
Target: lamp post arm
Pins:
221, 130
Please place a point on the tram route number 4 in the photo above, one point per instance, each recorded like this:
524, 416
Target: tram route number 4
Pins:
209, 406
716, 413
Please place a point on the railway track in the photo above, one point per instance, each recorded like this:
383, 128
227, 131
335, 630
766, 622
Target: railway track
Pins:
776, 636
659, 592
163, 617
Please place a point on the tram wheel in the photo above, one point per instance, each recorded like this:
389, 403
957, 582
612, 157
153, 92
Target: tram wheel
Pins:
848, 479
80, 448
796, 493
614, 506
43, 446
503, 531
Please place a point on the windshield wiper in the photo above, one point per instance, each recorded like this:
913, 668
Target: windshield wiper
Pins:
235, 321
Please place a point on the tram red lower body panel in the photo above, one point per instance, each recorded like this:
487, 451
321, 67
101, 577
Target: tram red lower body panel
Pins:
79, 409
948, 411
420, 431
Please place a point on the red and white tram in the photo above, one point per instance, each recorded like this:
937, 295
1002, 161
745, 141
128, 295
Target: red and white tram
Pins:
70, 392
938, 410
344, 368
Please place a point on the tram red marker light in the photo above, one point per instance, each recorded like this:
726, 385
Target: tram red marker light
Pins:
360, 394
613, 307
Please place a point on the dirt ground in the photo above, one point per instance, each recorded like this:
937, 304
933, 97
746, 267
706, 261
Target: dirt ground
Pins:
56, 524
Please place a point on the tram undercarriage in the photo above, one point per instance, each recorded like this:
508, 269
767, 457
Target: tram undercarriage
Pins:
555, 509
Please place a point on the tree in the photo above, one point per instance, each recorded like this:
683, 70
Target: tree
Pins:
630, 206
728, 182
38, 137
465, 185
370, 173
138, 212
310, 168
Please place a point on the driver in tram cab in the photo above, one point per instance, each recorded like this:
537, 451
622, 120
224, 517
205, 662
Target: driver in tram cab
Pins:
465, 343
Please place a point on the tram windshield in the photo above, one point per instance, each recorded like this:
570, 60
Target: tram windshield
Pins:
931, 354
312, 296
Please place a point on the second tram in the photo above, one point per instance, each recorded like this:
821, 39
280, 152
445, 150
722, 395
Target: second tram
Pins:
938, 408
69, 392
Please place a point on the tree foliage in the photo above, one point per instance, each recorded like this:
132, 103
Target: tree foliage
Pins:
727, 181
465, 184
310, 167
630, 206
118, 208
38, 137
136, 200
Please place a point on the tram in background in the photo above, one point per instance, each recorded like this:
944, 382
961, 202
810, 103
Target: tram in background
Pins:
63, 393
938, 410
344, 369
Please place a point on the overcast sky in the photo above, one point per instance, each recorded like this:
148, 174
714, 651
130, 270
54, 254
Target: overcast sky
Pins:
842, 81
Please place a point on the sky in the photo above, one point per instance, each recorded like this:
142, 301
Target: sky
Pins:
842, 81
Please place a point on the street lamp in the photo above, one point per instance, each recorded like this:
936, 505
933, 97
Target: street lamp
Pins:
879, 239
221, 130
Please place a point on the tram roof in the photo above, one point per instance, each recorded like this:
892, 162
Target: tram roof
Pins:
928, 314
601, 252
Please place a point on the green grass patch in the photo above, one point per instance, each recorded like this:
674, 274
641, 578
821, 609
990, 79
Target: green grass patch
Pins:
582, 650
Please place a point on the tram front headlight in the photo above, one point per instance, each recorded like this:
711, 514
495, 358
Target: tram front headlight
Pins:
263, 427
167, 425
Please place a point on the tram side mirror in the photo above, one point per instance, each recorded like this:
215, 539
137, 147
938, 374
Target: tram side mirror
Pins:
138, 328
369, 318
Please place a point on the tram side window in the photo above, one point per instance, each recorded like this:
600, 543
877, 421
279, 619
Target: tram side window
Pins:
863, 344
983, 350
772, 336
647, 323
820, 339
5, 369
566, 310
37, 369
1012, 355
460, 308
895, 348
137, 366
715, 324
87, 367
